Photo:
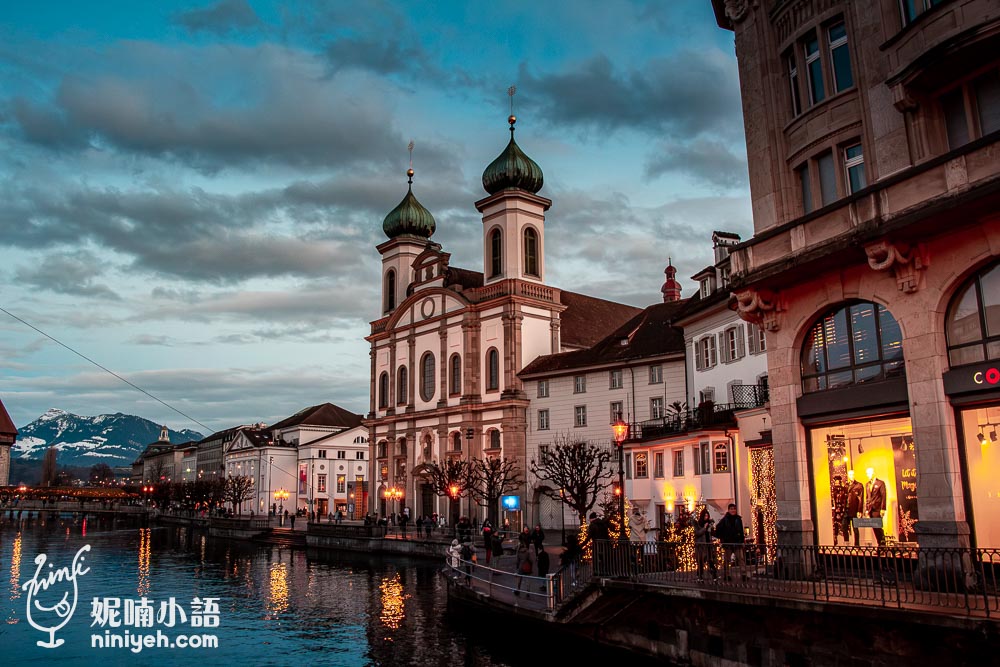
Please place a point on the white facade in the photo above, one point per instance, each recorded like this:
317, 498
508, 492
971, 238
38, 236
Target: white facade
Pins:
332, 471
252, 453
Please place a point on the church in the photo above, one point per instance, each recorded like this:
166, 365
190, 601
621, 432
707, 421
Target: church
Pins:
450, 342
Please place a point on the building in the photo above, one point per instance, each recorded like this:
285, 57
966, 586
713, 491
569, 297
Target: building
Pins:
210, 453
8, 434
270, 465
873, 131
447, 350
159, 461
187, 470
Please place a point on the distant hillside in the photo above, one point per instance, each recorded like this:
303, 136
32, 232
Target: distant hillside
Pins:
83, 441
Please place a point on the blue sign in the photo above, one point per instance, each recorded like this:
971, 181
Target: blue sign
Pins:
511, 503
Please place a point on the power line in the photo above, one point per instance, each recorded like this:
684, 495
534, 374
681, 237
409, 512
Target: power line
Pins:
106, 370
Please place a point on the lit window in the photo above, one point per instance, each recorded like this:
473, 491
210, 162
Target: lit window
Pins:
580, 415
341, 483
854, 164
321, 483
721, 457
840, 58
641, 465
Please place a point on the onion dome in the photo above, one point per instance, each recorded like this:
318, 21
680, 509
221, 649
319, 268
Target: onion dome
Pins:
512, 169
409, 216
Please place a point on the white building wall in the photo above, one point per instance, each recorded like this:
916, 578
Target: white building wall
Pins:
746, 369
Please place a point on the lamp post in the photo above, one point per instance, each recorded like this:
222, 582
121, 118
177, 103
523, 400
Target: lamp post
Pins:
620, 430
281, 496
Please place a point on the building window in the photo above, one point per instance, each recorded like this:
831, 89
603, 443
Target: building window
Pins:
530, 252
543, 420
852, 344
734, 348
910, 9
341, 454
793, 83
427, 376
658, 465
705, 288
706, 395
341, 483
755, 335
580, 384
428, 448
840, 57
390, 290
321, 454
656, 407
721, 457
806, 186
401, 386
972, 110
702, 459
496, 253
641, 465
628, 466
492, 370
656, 374
615, 379
321, 483
456, 441
616, 411
383, 390
827, 178
543, 389
360, 456
814, 70
854, 165
580, 415
705, 353
401, 447
972, 325
456, 375
382, 450
494, 439
678, 463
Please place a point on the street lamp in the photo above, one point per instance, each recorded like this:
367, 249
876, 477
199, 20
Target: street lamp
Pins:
281, 496
620, 429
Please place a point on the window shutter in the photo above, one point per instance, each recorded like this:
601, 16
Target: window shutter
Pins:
697, 356
741, 350
697, 461
714, 359
751, 335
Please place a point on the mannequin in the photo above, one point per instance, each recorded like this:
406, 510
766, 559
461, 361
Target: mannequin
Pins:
839, 497
876, 502
855, 505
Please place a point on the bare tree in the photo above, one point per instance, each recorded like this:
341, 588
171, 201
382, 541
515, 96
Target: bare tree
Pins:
450, 480
101, 473
578, 469
49, 467
489, 480
239, 489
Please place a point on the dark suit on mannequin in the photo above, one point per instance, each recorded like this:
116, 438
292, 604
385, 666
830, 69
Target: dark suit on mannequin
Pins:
876, 505
855, 506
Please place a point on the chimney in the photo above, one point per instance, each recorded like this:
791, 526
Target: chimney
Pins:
671, 288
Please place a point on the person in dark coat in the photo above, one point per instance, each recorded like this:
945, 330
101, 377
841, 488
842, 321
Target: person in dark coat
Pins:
730, 533
488, 539
542, 563
598, 535
525, 537
704, 545
537, 537
496, 545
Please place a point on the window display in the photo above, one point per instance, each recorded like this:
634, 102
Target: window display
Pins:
865, 483
982, 458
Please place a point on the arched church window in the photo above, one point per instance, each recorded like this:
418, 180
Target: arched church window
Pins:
456, 374
427, 376
852, 344
492, 369
390, 290
494, 439
383, 390
401, 386
496, 253
972, 326
428, 447
530, 252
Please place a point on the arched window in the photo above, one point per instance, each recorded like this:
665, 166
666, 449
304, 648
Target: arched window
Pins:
492, 369
390, 290
852, 344
530, 252
494, 439
383, 390
456, 374
428, 447
496, 253
401, 386
427, 376
973, 323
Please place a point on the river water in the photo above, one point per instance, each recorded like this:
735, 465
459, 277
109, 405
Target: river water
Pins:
275, 605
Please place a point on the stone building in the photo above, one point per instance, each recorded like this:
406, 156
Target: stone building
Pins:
8, 434
873, 130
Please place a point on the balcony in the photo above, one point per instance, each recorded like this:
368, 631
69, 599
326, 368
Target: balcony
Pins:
707, 415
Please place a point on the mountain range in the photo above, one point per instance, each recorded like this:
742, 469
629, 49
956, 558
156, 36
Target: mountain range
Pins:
116, 439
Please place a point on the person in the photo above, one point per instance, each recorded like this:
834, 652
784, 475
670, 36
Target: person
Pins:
293, 521
420, 526
466, 554
598, 535
730, 533
402, 522
454, 555
704, 547
524, 539
523, 566
496, 546
537, 537
488, 539
542, 563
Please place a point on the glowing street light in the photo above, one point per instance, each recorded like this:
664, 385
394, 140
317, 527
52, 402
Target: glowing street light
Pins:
620, 430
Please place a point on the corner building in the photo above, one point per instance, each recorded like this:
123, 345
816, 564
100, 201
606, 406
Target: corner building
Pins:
873, 131
446, 352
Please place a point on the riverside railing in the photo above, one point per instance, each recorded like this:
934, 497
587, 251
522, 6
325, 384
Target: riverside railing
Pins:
542, 593
929, 579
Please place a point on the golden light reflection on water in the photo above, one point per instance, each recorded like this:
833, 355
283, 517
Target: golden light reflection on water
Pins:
145, 549
277, 595
15, 577
393, 602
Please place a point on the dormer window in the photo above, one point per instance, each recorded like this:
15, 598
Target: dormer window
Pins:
706, 287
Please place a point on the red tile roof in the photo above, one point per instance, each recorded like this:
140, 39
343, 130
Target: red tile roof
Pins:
7, 427
587, 320
324, 414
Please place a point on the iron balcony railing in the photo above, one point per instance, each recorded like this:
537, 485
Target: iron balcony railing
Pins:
932, 579
706, 415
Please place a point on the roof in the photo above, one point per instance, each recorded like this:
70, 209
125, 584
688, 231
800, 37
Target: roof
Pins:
464, 278
587, 320
650, 333
696, 304
728, 235
6, 424
258, 437
324, 414
224, 434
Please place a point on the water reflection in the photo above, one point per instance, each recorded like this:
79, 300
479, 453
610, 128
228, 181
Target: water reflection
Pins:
277, 596
144, 553
393, 602
15, 578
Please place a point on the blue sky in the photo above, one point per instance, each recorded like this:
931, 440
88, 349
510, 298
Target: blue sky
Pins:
191, 193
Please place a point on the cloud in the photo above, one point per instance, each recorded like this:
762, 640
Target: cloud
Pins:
67, 273
149, 339
220, 18
705, 160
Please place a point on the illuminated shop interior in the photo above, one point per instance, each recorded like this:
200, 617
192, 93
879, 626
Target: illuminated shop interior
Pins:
982, 457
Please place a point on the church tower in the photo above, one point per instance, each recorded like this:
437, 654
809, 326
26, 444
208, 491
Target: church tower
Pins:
513, 217
409, 227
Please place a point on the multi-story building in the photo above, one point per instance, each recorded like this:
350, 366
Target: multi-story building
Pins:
873, 131
160, 461
8, 434
210, 453
187, 470
446, 353
271, 464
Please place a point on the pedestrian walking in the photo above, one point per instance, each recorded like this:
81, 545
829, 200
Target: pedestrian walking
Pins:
523, 566
542, 563
704, 545
598, 535
467, 555
488, 539
496, 546
293, 522
537, 537
730, 533
454, 556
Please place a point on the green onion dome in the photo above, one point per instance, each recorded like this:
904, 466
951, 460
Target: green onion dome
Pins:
409, 216
512, 169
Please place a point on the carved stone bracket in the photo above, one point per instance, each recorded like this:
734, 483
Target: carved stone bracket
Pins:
761, 307
736, 10
907, 262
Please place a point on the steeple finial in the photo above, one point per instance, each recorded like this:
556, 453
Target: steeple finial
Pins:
409, 172
512, 118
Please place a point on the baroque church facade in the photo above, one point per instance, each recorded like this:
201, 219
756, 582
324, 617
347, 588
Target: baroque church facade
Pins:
450, 342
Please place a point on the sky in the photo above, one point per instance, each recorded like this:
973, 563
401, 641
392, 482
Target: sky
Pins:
191, 193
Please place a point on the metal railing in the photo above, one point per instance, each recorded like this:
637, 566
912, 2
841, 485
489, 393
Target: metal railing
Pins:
542, 593
926, 579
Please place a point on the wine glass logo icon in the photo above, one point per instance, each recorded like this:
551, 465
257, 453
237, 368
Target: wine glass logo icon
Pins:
60, 580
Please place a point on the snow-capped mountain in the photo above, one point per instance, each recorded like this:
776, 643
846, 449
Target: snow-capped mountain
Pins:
83, 441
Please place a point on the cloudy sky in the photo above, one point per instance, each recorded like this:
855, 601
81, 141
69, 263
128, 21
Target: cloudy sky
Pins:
191, 193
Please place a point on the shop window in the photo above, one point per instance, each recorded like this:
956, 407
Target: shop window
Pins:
427, 377
641, 465
972, 326
865, 482
853, 344
979, 428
